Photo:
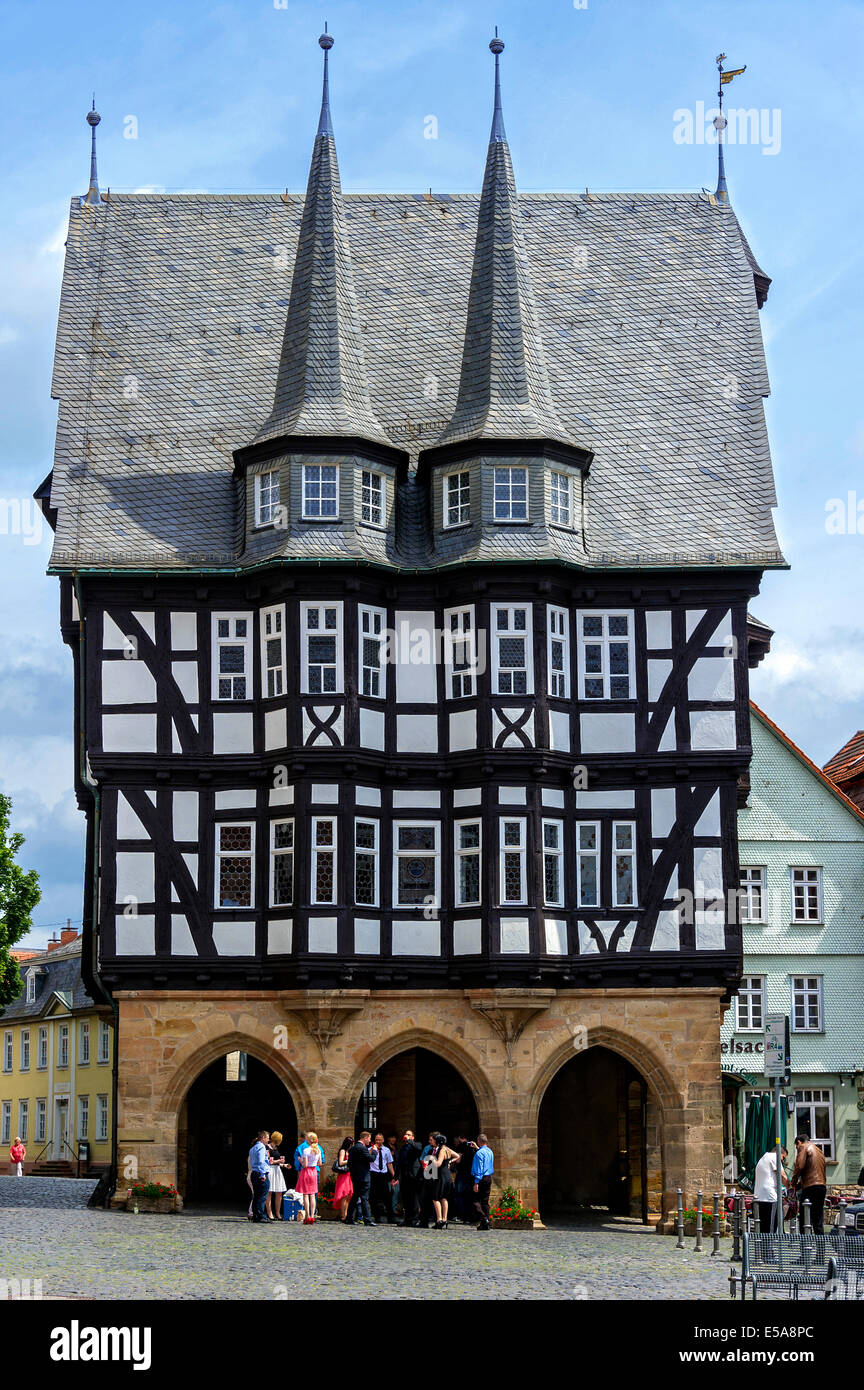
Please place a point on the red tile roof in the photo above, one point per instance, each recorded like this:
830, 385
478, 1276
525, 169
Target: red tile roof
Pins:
849, 762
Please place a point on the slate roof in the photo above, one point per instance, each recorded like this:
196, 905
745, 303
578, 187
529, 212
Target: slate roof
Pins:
62, 974
172, 319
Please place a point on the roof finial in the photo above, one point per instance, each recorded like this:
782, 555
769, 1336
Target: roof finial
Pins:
325, 123
498, 132
93, 197
720, 123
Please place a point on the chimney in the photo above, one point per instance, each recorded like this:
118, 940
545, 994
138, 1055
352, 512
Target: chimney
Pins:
54, 942
69, 933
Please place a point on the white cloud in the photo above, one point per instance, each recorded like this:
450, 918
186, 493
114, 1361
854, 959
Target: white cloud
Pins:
7, 334
833, 671
38, 775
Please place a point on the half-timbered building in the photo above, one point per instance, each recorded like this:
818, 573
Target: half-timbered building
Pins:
405, 544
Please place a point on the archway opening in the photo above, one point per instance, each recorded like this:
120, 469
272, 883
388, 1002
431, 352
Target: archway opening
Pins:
421, 1091
598, 1140
225, 1106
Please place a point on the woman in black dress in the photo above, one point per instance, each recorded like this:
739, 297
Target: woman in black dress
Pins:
444, 1159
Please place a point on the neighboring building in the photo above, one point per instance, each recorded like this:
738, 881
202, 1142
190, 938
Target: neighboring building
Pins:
56, 1064
846, 769
528, 432
801, 849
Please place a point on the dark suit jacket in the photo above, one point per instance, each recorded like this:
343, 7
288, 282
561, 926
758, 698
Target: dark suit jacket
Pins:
408, 1161
359, 1162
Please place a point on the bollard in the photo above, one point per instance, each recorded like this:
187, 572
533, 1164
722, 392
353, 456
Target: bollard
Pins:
680, 1245
716, 1231
737, 1223
841, 1224
698, 1246
807, 1228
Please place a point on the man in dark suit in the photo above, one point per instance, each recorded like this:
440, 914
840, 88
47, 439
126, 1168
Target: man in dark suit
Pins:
408, 1173
359, 1162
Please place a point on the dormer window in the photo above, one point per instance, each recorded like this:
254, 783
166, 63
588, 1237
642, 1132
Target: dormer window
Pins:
266, 498
457, 499
372, 499
510, 498
561, 499
31, 986
320, 491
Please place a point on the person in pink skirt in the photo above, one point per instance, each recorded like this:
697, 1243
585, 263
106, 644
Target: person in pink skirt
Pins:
344, 1189
307, 1182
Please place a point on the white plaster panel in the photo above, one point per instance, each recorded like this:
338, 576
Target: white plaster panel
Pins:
191, 862
281, 796
135, 936
324, 794
559, 730
587, 945
275, 729
129, 733
556, 936
658, 630
708, 873
712, 729
668, 742
605, 801
659, 671
232, 732
184, 632
280, 936
127, 683
722, 634
234, 938
709, 821
182, 943
553, 796
371, 728
512, 796
416, 800
416, 668
129, 827
608, 733
416, 938
467, 796
236, 798
417, 733
368, 796
185, 673
135, 876
148, 622
367, 936
515, 935
663, 813
710, 929
667, 934
712, 678
322, 935
467, 937
185, 815
694, 617
113, 637
463, 730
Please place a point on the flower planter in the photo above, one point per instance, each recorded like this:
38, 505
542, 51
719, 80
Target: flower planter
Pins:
164, 1205
498, 1223
327, 1212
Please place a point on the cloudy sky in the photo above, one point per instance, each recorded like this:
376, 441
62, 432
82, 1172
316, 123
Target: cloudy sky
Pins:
225, 96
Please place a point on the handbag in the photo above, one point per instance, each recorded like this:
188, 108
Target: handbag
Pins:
339, 1167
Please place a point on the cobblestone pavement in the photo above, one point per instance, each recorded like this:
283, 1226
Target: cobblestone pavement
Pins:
48, 1233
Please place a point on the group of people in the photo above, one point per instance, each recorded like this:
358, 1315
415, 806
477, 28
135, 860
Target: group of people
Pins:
808, 1176
399, 1181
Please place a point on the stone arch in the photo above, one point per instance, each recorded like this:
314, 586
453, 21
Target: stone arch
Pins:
642, 1058
458, 1057
274, 1058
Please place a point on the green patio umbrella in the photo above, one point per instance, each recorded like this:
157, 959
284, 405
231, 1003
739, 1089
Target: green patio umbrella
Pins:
754, 1133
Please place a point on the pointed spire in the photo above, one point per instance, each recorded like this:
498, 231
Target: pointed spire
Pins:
722, 192
321, 387
93, 198
504, 386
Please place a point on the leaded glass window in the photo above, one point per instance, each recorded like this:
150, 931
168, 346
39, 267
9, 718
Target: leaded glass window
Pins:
416, 867
468, 842
281, 863
366, 862
235, 846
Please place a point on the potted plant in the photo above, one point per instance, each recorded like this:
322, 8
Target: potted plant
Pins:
326, 1209
707, 1222
510, 1213
153, 1196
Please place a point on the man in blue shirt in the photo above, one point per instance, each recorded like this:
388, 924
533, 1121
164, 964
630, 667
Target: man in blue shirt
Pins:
259, 1163
482, 1171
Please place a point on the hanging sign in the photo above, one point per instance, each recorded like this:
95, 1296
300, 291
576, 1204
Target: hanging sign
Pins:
776, 1055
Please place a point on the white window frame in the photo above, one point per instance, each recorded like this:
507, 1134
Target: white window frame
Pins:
624, 854
23, 1119
306, 632
461, 852
220, 854
806, 870
272, 629
367, 614
266, 505
320, 482
104, 1053
807, 991
752, 989
41, 1120
555, 852
283, 852
558, 631
752, 881
217, 642
372, 852
520, 850
556, 477
461, 639
8, 1050
604, 640
62, 1046
83, 1042
415, 854
320, 849
6, 1122
497, 634
83, 1117
42, 1050
594, 854
826, 1094
101, 1119
31, 987
506, 498
24, 1056
456, 498
377, 483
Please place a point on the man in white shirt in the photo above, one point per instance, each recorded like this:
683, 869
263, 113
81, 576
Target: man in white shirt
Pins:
382, 1178
765, 1188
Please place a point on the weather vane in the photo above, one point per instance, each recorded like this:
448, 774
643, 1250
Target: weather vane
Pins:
720, 123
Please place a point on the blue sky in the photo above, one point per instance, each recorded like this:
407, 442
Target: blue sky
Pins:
225, 97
